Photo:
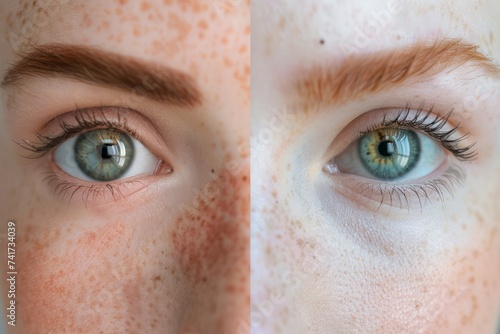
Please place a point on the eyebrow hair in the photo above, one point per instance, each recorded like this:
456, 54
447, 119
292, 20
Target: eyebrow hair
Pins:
373, 72
108, 69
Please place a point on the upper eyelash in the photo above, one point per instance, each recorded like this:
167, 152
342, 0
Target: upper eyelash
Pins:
86, 119
433, 128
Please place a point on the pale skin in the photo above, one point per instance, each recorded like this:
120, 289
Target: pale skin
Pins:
161, 257
323, 258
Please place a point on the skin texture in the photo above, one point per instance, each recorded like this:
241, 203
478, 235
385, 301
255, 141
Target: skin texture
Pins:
170, 254
323, 260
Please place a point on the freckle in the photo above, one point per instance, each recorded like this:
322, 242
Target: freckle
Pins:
145, 6
182, 27
227, 62
199, 7
243, 49
321, 41
203, 24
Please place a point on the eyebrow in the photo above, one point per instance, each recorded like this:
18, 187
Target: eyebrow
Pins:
107, 69
373, 72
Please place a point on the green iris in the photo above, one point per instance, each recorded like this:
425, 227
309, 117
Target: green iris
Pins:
104, 155
389, 153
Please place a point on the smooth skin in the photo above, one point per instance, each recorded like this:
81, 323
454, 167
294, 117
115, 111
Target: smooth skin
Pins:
322, 260
171, 254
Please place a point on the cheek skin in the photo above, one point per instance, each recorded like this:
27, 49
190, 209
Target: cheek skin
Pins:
211, 241
107, 279
188, 276
329, 284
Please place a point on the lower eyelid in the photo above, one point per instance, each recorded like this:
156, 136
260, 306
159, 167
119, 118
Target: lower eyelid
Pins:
68, 189
405, 197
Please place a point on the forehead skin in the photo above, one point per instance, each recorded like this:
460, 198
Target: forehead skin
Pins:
334, 265
149, 266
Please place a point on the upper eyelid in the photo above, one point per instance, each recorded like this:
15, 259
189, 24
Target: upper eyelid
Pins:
81, 120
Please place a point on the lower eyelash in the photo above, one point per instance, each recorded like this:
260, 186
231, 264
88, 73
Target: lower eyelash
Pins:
391, 194
67, 190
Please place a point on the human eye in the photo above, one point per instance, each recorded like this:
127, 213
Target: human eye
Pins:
410, 154
96, 150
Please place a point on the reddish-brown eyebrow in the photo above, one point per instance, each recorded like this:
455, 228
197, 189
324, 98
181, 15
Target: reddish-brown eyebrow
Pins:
373, 72
106, 69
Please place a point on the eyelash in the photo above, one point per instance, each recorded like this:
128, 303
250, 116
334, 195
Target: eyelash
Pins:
446, 182
432, 128
86, 120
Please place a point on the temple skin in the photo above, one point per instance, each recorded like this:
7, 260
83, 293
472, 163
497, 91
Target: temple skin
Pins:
167, 253
324, 258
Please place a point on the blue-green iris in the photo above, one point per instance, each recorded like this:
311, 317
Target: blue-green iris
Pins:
389, 153
104, 155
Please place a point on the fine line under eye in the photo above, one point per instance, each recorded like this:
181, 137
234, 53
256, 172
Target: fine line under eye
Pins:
432, 124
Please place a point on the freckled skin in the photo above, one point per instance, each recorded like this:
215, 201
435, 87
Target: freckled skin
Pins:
173, 256
321, 261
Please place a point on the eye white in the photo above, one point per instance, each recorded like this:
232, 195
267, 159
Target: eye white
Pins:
144, 161
432, 155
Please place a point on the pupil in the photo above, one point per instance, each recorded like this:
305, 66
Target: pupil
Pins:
107, 151
386, 148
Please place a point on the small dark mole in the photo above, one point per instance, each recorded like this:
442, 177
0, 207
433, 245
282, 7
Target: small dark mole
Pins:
321, 41
213, 171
